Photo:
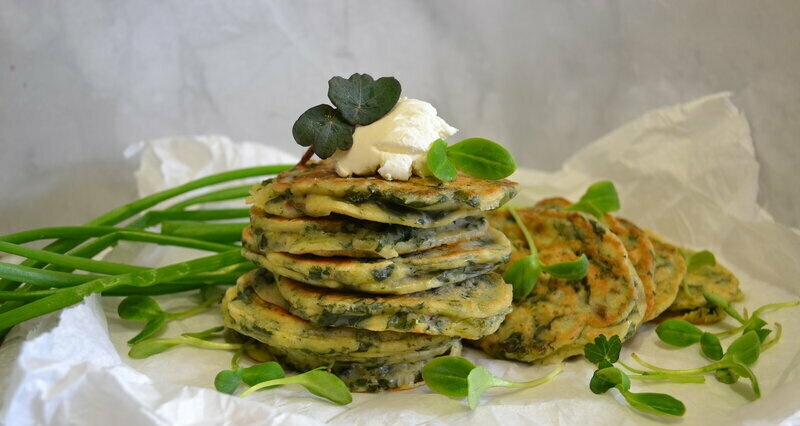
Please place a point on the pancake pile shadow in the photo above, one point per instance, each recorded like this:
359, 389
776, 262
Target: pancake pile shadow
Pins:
369, 277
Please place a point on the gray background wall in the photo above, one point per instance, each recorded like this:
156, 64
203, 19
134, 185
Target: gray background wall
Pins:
81, 80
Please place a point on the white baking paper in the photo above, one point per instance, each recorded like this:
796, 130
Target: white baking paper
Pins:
687, 172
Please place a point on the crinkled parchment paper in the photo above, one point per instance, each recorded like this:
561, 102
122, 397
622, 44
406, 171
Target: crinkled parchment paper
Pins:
687, 172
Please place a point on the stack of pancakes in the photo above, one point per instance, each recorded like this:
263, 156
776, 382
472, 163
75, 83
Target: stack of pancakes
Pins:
634, 277
370, 277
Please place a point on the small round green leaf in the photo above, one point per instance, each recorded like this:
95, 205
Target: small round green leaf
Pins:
324, 384
323, 128
482, 158
362, 100
599, 198
438, 163
700, 259
138, 308
448, 375
227, 381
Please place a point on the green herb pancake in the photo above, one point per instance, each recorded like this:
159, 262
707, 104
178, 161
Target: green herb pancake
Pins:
637, 244
336, 235
690, 304
314, 189
559, 316
471, 309
399, 275
263, 316
670, 269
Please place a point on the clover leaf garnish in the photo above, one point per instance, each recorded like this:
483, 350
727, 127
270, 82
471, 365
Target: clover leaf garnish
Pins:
323, 129
359, 100
362, 100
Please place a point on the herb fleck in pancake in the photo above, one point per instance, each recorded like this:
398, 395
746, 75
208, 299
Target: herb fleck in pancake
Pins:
469, 309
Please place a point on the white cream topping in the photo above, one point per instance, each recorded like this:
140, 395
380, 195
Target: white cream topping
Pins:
396, 145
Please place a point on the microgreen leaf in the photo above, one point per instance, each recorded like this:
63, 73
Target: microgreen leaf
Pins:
711, 346
138, 308
574, 270
599, 198
439, 165
603, 349
263, 372
227, 381
323, 128
205, 334
726, 375
362, 100
655, 403
699, 259
150, 347
479, 381
523, 275
599, 384
616, 376
678, 332
447, 375
481, 158
745, 349
724, 305
151, 328
318, 382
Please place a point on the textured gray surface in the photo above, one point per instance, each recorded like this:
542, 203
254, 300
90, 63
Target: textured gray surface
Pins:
81, 80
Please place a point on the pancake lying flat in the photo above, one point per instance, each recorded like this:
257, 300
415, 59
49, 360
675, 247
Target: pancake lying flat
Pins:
314, 189
342, 236
637, 244
470, 309
559, 317
690, 304
400, 275
368, 355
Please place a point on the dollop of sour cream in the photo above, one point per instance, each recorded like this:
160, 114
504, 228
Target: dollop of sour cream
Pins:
396, 145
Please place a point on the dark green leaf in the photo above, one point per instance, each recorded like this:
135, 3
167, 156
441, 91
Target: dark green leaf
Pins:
678, 333
323, 127
523, 275
151, 328
573, 271
438, 163
138, 308
598, 384
700, 259
599, 198
603, 349
448, 375
258, 373
745, 349
711, 347
655, 403
362, 100
481, 158
227, 381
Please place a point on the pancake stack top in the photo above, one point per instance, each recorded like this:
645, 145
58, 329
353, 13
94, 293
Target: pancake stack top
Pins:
369, 276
